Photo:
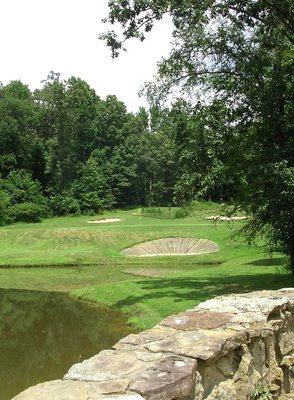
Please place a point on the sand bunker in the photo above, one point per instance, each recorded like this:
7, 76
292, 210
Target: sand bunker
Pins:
223, 218
105, 221
172, 247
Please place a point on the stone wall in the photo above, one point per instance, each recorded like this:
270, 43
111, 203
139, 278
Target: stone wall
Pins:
229, 348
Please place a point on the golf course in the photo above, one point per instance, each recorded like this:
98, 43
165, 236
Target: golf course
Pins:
72, 255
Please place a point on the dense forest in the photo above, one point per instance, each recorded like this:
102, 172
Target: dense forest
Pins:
66, 151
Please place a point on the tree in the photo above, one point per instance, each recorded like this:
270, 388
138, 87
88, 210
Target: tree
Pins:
91, 188
68, 127
18, 128
240, 53
22, 198
4, 202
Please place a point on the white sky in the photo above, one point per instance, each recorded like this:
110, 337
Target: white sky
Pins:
38, 36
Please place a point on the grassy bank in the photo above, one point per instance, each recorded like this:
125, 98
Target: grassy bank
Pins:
71, 255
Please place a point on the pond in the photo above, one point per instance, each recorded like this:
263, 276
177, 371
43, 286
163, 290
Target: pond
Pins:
42, 334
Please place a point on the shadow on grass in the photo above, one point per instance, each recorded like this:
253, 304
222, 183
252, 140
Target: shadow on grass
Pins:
186, 289
264, 262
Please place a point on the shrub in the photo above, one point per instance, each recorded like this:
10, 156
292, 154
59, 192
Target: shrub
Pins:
25, 212
64, 204
4, 202
182, 212
167, 212
25, 199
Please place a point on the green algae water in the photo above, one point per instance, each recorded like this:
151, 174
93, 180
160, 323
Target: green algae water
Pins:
42, 334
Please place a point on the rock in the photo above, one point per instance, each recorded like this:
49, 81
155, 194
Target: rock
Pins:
199, 390
74, 390
201, 344
286, 343
288, 361
289, 396
112, 364
198, 319
152, 335
153, 375
248, 318
171, 378
288, 370
263, 302
224, 391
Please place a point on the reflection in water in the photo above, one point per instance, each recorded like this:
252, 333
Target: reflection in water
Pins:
42, 334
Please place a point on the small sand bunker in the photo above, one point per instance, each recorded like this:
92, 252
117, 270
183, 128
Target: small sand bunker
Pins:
172, 247
223, 218
105, 221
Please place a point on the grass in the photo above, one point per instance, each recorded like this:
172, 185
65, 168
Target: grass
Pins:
70, 255
166, 212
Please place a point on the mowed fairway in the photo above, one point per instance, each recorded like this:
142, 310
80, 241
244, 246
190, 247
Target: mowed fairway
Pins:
68, 254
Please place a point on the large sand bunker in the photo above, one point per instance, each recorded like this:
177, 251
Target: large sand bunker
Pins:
172, 247
105, 221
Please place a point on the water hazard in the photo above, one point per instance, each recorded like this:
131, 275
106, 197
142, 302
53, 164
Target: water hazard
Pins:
42, 334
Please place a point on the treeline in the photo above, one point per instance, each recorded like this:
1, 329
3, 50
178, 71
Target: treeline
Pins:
65, 151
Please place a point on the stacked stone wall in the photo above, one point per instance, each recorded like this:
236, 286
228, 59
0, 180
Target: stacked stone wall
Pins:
236, 347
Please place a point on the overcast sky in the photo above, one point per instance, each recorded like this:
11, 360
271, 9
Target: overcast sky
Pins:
38, 36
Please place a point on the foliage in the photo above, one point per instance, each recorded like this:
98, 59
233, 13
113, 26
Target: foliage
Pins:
239, 54
90, 154
261, 392
24, 199
4, 202
18, 121
64, 204
25, 212
166, 212
91, 189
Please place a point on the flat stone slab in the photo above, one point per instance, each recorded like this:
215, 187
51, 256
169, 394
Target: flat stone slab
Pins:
177, 246
200, 344
75, 390
141, 339
111, 364
263, 302
154, 376
198, 319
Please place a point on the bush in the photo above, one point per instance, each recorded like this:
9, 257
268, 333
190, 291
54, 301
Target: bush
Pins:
4, 202
25, 212
167, 212
182, 212
24, 199
65, 204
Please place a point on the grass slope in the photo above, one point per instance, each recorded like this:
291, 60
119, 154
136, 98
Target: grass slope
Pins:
99, 273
